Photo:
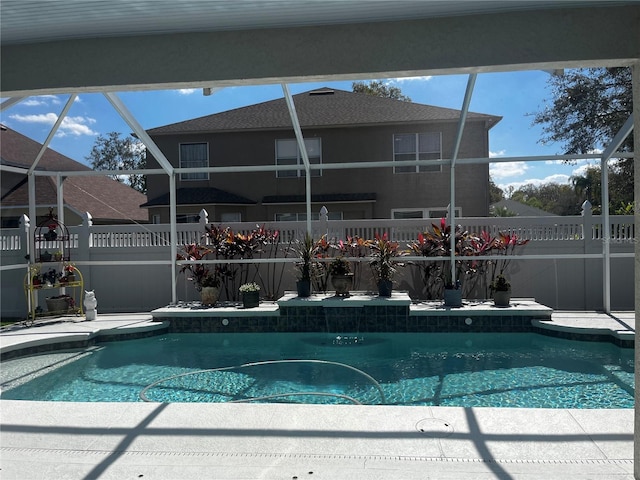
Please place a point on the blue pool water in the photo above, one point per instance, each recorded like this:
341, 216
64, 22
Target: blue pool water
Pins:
448, 369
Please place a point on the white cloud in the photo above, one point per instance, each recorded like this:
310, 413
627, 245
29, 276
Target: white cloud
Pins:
75, 126
187, 91
41, 100
412, 79
582, 169
501, 170
499, 153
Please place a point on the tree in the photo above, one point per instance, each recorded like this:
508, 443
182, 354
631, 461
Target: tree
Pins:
551, 197
589, 107
495, 192
111, 152
588, 186
379, 89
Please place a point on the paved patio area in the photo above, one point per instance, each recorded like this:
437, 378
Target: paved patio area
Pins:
47, 440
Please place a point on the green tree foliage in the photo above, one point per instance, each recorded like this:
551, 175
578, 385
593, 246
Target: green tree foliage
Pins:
111, 152
588, 186
588, 109
379, 89
550, 197
495, 192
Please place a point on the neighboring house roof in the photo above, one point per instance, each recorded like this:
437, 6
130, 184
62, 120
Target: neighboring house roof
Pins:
104, 198
320, 198
520, 209
324, 107
200, 196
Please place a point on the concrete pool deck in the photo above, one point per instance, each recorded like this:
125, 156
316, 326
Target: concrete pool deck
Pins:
45, 440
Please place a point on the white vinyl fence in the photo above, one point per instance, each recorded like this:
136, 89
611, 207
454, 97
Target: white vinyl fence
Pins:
129, 266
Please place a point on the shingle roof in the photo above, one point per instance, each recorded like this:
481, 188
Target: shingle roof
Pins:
321, 108
200, 196
104, 198
324, 197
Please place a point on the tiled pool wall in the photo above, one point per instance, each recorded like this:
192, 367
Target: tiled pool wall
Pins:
349, 320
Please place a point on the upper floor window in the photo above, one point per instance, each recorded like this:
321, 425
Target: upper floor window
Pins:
288, 153
193, 155
417, 146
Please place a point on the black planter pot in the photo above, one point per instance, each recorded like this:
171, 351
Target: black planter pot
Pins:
452, 297
250, 299
385, 287
304, 288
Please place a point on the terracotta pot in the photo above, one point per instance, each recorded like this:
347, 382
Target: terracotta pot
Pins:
342, 284
209, 295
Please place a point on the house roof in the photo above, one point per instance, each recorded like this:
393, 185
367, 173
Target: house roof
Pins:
200, 196
104, 198
324, 107
520, 209
321, 198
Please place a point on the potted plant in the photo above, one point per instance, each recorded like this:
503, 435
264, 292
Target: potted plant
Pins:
69, 271
250, 294
306, 251
501, 289
341, 276
383, 262
206, 278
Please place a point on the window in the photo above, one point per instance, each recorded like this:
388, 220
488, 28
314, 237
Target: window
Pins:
287, 153
437, 212
230, 217
187, 218
302, 217
417, 146
155, 218
193, 155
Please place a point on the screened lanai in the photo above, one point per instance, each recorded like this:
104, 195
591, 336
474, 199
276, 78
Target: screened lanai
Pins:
81, 47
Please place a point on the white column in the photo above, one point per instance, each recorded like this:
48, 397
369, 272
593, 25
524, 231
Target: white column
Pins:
636, 165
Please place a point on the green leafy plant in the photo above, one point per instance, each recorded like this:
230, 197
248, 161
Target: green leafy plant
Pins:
339, 266
500, 284
249, 287
202, 275
384, 257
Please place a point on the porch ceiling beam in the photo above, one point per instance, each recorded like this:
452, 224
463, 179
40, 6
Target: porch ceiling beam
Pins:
54, 129
302, 148
139, 131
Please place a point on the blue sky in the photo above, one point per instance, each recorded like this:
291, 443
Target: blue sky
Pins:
515, 96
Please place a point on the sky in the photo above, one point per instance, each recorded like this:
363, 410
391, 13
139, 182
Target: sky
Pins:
515, 96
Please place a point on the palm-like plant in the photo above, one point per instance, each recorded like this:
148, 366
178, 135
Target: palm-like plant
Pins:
384, 254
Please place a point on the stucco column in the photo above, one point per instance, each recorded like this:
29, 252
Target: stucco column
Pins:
636, 188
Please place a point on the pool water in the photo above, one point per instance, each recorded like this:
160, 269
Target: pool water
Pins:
446, 369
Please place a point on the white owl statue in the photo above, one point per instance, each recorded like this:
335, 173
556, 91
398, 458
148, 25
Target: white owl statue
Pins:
90, 304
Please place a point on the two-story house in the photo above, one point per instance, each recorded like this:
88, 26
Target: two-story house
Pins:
107, 200
339, 127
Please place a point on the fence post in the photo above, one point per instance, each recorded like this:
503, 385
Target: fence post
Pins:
324, 222
85, 243
25, 238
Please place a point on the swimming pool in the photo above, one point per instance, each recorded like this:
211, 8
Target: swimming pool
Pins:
446, 369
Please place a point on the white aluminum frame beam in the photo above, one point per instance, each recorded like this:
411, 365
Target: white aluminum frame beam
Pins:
303, 151
54, 130
617, 140
452, 173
